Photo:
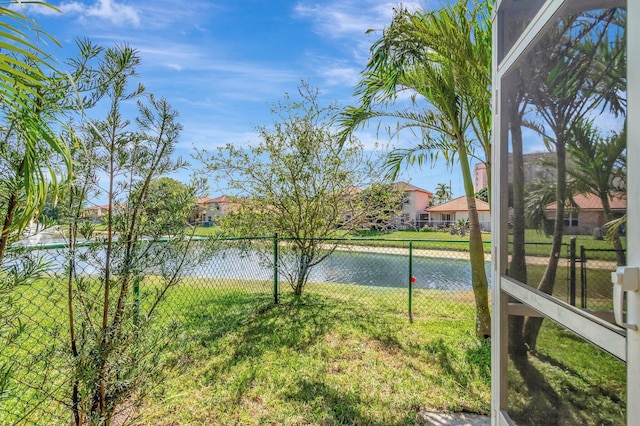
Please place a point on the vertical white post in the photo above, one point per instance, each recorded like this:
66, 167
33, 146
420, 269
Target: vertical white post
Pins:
498, 250
633, 207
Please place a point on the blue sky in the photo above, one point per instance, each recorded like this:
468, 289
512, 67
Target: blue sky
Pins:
222, 63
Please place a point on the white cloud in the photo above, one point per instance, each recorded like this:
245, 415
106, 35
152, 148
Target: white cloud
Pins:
344, 18
212, 70
108, 10
346, 23
210, 136
178, 15
37, 9
340, 75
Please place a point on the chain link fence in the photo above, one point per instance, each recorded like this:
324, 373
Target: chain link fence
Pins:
413, 279
583, 277
595, 288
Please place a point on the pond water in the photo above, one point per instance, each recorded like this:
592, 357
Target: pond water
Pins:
359, 268
355, 267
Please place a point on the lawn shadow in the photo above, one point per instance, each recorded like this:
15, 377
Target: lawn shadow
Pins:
342, 408
613, 395
241, 345
557, 395
463, 368
544, 405
248, 329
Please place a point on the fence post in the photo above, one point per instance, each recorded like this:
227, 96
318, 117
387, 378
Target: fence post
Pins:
572, 271
583, 277
410, 281
275, 268
136, 301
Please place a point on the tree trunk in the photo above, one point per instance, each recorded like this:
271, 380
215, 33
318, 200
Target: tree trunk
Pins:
303, 272
547, 283
479, 281
12, 206
518, 264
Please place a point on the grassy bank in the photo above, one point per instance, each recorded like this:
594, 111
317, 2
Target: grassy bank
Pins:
538, 244
338, 357
566, 382
327, 358
340, 354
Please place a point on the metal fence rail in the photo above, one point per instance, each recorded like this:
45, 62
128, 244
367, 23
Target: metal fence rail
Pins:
368, 274
416, 280
583, 277
595, 287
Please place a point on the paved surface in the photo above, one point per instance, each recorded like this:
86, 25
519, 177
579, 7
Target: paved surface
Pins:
430, 418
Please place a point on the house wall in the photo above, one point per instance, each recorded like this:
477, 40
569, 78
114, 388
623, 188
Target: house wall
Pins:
94, 214
439, 220
485, 221
587, 222
460, 215
414, 204
213, 211
591, 220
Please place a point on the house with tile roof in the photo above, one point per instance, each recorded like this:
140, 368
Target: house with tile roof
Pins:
414, 202
96, 213
586, 213
210, 209
446, 214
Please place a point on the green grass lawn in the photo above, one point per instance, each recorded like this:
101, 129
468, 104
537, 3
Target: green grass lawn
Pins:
419, 235
566, 382
537, 244
331, 357
340, 354
206, 231
342, 357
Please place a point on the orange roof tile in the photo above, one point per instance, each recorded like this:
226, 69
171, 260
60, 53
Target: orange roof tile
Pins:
592, 202
458, 205
407, 187
105, 207
206, 200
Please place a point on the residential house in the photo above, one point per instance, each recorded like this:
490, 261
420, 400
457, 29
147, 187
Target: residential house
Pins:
585, 215
446, 214
210, 209
96, 213
414, 202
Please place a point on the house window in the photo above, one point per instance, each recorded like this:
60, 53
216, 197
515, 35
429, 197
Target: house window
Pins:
405, 199
571, 219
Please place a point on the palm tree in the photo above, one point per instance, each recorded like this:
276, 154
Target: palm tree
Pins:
443, 192
442, 58
595, 163
27, 141
567, 76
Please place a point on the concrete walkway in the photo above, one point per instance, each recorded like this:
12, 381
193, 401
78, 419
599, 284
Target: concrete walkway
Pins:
431, 418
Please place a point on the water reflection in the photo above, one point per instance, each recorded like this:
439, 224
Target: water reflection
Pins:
359, 268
